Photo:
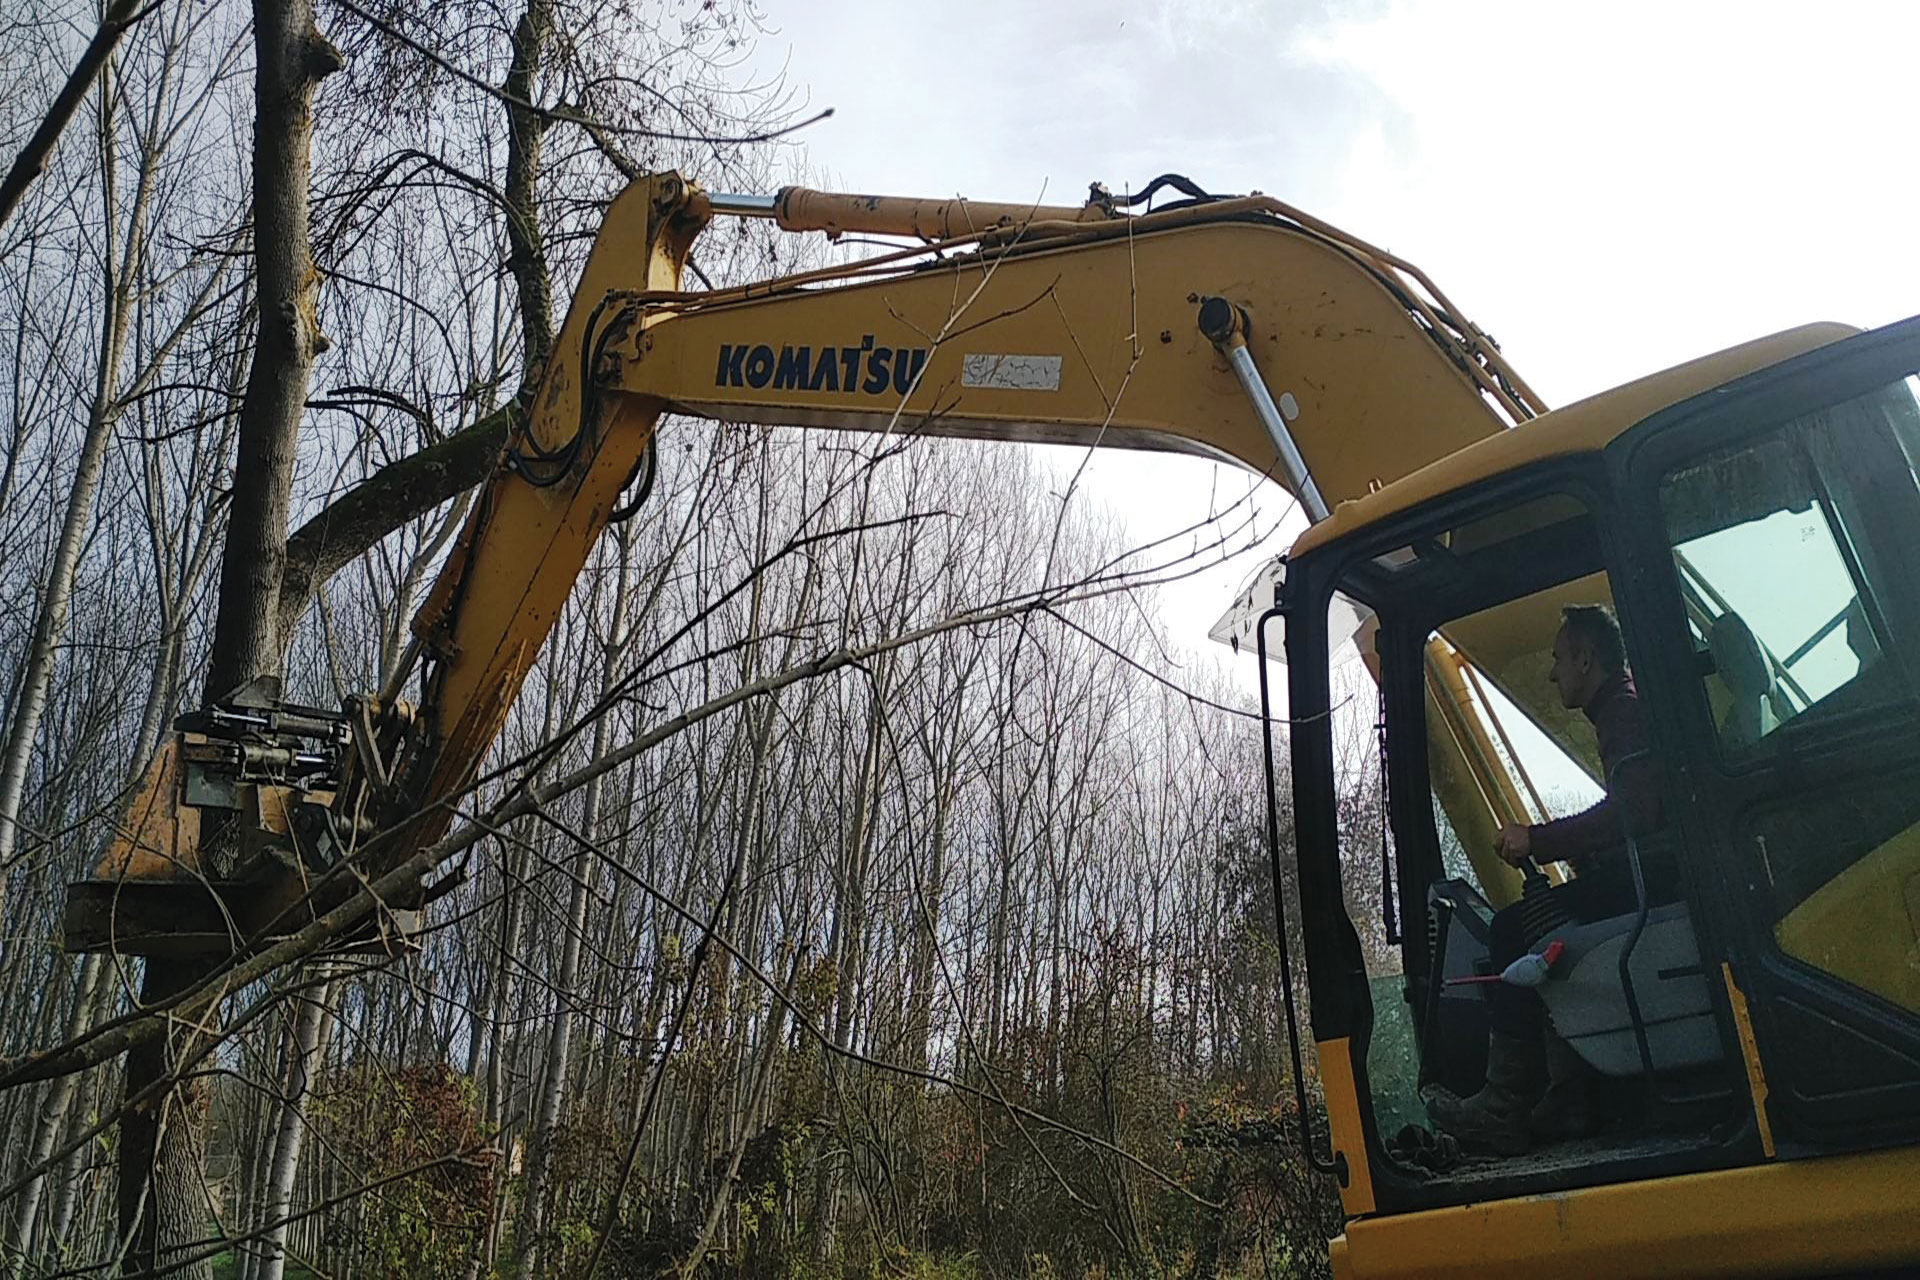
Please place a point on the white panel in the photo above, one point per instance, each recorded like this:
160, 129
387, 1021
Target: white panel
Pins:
1012, 373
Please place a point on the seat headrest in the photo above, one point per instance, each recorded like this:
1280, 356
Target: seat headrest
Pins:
1737, 656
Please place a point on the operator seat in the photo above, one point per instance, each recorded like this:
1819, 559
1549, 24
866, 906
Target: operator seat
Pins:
1748, 678
1584, 996
1588, 1003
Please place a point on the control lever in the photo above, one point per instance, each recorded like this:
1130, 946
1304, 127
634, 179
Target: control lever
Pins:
1541, 912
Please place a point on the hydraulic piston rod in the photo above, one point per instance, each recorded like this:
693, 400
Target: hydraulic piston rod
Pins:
804, 209
740, 206
1226, 327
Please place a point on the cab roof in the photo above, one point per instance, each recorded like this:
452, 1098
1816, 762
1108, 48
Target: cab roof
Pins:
1585, 426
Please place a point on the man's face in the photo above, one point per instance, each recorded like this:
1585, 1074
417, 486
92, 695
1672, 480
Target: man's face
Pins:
1572, 672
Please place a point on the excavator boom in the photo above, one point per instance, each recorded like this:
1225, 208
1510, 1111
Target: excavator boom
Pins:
1239, 329
1084, 327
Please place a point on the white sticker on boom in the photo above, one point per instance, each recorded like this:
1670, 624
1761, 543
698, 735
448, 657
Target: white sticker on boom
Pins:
1012, 373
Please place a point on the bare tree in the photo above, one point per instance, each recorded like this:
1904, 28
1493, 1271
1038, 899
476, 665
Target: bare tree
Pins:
161, 1185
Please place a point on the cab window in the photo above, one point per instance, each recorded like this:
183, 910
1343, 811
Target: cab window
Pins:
1794, 556
1779, 621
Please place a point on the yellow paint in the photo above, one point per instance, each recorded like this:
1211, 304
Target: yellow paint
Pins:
158, 836
1114, 301
1787, 1218
1343, 1119
1337, 1255
1584, 427
1750, 1055
1376, 395
1864, 924
1361, 348
523, 545
1358, 345
950, 226
802, 209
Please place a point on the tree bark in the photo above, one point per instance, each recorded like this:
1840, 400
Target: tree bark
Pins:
385, 501
292, 58
411, 487
162, 1192
756, 1098
526, 251
162, 1180
53, 1115
308, 1045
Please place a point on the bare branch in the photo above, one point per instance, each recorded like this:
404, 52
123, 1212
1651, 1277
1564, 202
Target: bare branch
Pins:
32, 160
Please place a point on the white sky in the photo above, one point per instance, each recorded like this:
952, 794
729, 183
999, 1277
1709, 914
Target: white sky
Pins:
1609, 189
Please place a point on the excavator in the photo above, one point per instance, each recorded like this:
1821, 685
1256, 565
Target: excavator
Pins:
1749, 517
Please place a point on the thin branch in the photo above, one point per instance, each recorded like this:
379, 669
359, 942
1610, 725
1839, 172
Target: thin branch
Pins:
566, 115
32, 160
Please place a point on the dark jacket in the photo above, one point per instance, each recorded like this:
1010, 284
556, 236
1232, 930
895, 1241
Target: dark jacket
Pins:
1614, 710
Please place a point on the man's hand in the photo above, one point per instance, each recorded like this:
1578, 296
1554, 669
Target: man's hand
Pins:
1515, 845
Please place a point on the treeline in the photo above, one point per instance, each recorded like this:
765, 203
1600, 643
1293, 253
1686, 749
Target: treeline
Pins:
958, 959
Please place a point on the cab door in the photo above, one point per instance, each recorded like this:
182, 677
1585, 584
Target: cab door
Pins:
1773, 531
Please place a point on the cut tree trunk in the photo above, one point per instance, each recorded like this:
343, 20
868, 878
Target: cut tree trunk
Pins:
292, 58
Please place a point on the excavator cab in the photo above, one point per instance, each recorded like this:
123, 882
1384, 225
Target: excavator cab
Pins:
1756, 997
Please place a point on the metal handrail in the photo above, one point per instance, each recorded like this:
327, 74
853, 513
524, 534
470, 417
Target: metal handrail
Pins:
1642, 909
1314, 1160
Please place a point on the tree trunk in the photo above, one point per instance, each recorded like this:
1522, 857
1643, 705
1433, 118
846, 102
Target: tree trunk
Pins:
527, 254
162, 1194
50, 623
292, 57
53, 1115
756, 1097
162, 1180
849, 942
67, 1182
303, 1061
925, 931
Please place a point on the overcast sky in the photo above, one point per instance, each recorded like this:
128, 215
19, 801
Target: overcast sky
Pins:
1609, 189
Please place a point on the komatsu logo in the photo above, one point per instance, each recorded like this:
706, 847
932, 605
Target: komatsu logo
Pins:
869, 369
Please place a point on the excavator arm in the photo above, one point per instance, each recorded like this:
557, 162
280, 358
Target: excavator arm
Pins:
1235, 328
1076, 326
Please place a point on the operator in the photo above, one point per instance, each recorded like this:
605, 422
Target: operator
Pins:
1537, 1085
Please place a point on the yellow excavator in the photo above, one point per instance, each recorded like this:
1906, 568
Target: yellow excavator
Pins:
1751, 517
